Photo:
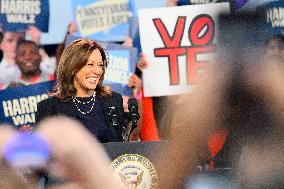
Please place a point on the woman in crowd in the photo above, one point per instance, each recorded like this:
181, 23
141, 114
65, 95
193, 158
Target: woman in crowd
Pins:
79, 92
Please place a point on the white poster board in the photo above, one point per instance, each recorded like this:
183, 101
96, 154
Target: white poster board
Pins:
178, 42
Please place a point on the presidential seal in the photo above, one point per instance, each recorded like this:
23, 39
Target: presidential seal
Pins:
136, 171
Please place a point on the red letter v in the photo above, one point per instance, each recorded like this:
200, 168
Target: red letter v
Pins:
175, 39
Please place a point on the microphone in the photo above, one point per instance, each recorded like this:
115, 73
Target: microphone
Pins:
133, 113
113, 115
112, 112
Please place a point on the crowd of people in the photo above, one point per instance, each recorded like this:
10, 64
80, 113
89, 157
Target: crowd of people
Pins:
233, 118
10, 71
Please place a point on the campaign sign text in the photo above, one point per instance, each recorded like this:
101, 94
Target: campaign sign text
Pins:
182, 43
17, 15
19, 105
105, 20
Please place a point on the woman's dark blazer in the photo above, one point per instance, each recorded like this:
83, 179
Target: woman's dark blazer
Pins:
55, 107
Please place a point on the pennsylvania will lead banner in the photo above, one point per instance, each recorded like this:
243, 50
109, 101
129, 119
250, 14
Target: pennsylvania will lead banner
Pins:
104, 20
178, 42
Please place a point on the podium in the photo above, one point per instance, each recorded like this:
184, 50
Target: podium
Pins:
147, 149
135, 162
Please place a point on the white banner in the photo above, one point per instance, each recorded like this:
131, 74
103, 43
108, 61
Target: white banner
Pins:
178, 42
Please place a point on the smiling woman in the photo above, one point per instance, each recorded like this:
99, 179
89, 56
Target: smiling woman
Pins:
80, 94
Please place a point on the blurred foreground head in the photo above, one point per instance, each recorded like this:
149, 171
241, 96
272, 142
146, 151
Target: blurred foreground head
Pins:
241, 93
245, 99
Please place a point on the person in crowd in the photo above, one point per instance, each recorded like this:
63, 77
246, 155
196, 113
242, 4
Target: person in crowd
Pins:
80, 163
79, 92
9, 71
47, 64
28, 60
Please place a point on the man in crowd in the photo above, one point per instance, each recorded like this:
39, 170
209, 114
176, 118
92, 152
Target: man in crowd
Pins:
28, 60
9, 71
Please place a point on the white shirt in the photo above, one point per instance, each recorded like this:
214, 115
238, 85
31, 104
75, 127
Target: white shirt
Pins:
9, 72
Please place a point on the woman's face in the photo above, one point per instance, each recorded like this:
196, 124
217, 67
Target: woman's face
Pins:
87, 79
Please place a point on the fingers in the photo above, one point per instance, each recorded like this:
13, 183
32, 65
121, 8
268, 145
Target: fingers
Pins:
135, 83
72, 28
125, 103
128, 42
143, 62
26, 128
131, 81
6, 132
77, 154
171, 3
135, 135
34, 33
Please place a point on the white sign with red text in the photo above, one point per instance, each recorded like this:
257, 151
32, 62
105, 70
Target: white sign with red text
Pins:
178, 43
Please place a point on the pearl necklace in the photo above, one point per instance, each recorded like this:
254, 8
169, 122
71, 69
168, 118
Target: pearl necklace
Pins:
93, 99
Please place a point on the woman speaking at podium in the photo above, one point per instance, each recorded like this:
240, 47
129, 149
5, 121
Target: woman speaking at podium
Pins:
80, 94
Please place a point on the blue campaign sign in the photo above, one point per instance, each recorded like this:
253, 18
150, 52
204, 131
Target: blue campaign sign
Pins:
122, 63
104, 20
18, 105
119, 71
138, 4
17, 15
272, 17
